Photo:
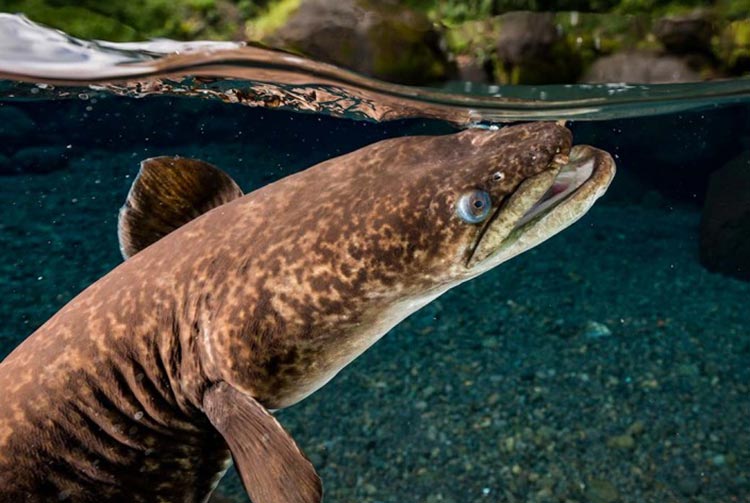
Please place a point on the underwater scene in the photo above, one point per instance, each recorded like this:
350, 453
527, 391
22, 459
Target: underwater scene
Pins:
234, 273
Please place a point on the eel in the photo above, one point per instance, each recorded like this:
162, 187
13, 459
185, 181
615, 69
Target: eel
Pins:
149, 383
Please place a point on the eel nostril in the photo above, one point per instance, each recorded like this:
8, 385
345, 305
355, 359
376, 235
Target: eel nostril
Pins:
560, 159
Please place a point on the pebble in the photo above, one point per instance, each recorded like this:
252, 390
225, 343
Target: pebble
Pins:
688, 486
688, 370
719, 460
493, 399
490, 343
601, 491
596, 330
621, 442
636, 429
316, 459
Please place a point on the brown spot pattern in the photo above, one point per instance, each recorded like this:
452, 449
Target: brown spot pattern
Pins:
270, 293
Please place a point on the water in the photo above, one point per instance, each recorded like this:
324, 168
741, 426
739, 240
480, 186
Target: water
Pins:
605, 363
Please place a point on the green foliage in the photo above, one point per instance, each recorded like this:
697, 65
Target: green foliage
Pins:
735, 46
127, 20
735, 9
656, 7
556, 5
453, 11
271, 18
73, 19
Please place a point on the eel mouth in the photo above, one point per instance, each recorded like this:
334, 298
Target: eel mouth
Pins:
544, 204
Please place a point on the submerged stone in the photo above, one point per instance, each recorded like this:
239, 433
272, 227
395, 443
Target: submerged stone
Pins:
725, 222
15, 126
625, 442
688, 486
596, 330
42, 159
601, 491
4, 164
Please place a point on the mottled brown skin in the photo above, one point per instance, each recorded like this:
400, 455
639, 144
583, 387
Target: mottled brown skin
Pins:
270, 293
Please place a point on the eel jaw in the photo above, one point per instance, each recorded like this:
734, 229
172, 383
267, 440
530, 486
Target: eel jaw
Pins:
542, 206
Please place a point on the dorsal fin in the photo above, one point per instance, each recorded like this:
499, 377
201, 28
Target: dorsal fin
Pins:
168, 193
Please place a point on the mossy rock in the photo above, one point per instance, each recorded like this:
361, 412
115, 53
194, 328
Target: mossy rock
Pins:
531, 50
686, 34
137, 19
476, 38
725, 222
640, 67
376, 38
734, 47
582, 39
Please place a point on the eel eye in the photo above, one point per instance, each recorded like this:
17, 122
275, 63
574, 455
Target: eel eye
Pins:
474, 206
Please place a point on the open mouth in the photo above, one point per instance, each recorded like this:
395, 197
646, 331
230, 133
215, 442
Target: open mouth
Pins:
570, 178
544, 205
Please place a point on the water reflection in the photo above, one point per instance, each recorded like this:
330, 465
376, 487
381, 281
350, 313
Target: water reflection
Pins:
253, 75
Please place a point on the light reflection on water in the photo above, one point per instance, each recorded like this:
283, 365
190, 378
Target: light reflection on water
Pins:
253, 75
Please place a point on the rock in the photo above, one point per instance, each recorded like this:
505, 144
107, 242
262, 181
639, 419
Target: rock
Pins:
690, 33
526, 35
639, 67
470, 69
596, 330
44, 159
653, 149
719, 460
5, 165
601, 491
636, 429
15, 126
725, 222
473, 43
377, 38
735, 46
530, 50
688, 370
624, 442
688, 486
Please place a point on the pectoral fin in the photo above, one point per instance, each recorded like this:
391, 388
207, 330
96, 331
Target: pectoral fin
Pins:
272, 467
168, 193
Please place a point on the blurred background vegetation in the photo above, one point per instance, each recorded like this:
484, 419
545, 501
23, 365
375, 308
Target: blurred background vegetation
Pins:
131, 20
480, 40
